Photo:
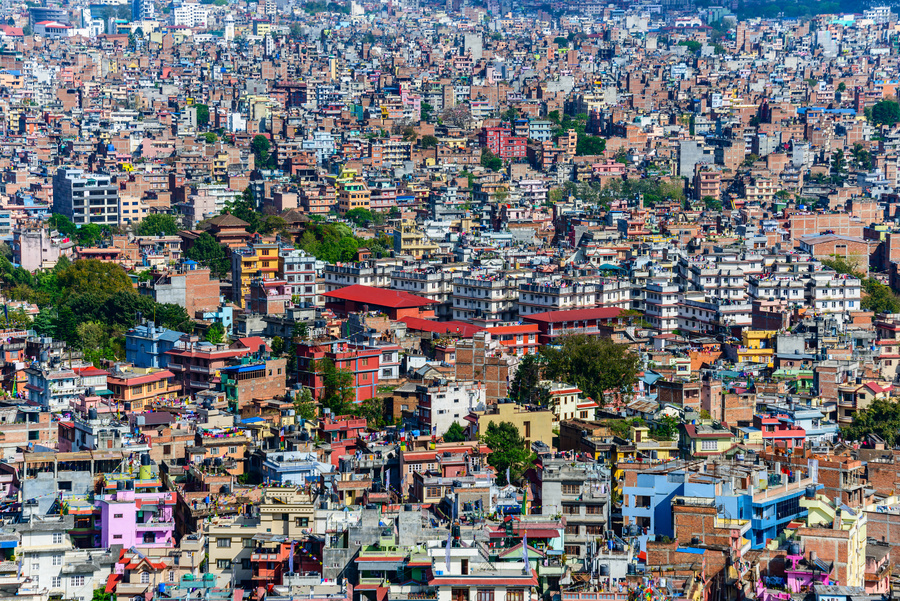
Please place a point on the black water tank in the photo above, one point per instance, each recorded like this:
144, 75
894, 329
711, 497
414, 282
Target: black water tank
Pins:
92, 414
120, 485
145, 458
604, 570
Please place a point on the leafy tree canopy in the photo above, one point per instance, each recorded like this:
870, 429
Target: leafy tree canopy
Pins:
508, 450
595, 365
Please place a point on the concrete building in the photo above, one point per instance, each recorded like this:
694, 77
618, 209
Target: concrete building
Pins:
85, 197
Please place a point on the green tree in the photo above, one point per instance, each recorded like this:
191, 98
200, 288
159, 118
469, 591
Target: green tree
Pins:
275, 224
173, 317
428, 141
244, 208
277, 346
838, 167
712, 204
359, 216
157, 223
426, 112
886, 112
96, 277
43, 323
62, 224
15, 319
211, 254
454, 433
260, 147
202, 115
693, 46
881, 417
862, 159
508, 450
210, 137
89, 234
561, 42
842, 87
665, 428
305, 405
590, 145
216, 333
337, 387
489, 160
510, 114
524, 388
595, 365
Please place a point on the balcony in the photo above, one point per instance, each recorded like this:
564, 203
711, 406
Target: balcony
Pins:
155, 526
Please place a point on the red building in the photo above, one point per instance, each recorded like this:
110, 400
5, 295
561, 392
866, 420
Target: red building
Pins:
553, 324
779, 431
362, 363
517, 339
394, 303
503, 143
341, 433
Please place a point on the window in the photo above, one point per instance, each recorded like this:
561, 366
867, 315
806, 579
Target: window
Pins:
223, 564
248, 543
232, 450
57, 538
485, 594
117, 537
571, 509
245, 564
145, 577
223, 543
34, 435
117, 516
571, 489
56, 582
515, 594
572, 550
149, 538
77, 580
171, 575
301, 522
709, 445
573, 530
57, 560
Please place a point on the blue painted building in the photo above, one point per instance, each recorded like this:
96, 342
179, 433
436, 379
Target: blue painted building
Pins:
741, 491
146, 345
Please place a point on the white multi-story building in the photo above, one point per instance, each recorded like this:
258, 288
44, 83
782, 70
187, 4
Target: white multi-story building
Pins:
191, 15
440, 406
85, 197
485, 298
298, 269
706, 313
662, 302
432, 283
555, 295
830, 292
50, 562
371, 273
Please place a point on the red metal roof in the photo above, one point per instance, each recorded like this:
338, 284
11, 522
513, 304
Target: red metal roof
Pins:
380, 297
461, 329
574, 315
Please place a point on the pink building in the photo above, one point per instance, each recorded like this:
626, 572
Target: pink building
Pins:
780, 431
136, 511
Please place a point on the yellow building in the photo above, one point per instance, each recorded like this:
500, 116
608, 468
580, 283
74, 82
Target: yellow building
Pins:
757, 346
410, 240
258, 260
533, 424
353, 195
837, 534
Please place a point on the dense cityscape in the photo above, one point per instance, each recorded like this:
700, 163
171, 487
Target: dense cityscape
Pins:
472, 300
